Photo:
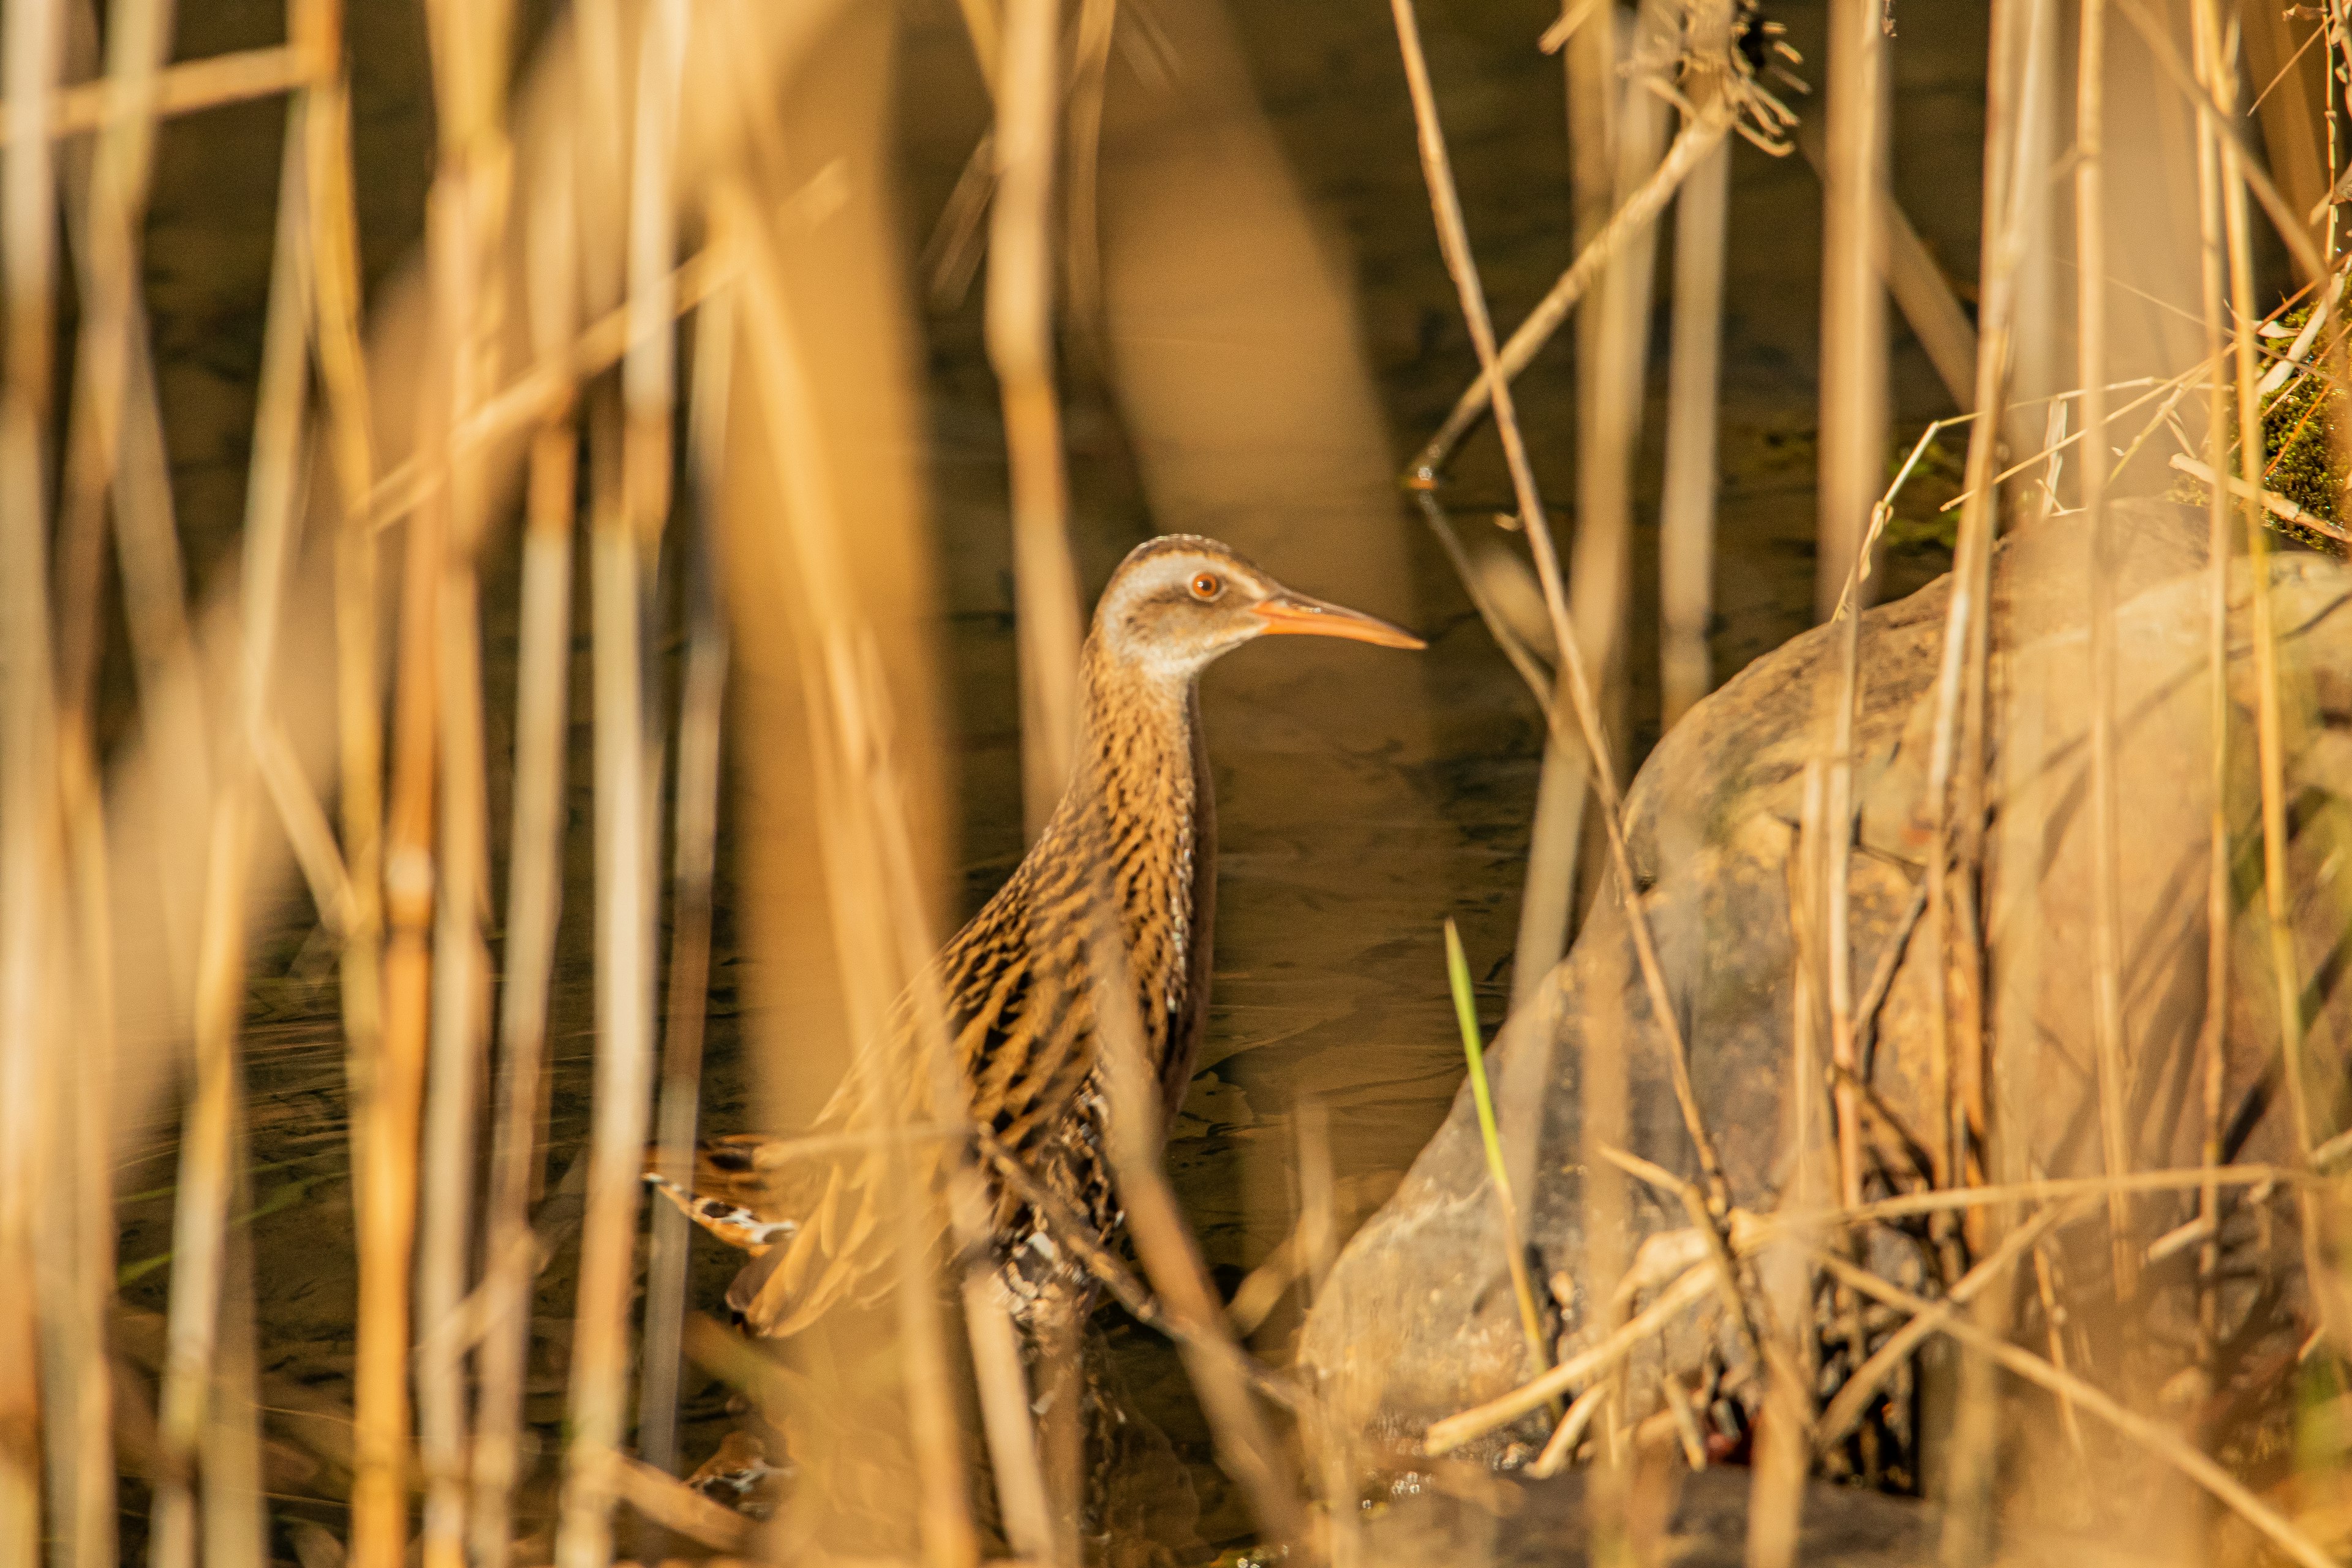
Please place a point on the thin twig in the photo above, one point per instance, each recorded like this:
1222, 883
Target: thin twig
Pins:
2152, 1435
1454, 240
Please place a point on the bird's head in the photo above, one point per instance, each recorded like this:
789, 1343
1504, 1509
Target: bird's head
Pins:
1180, 601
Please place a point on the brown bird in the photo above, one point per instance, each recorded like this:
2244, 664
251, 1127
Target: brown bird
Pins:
1137, 825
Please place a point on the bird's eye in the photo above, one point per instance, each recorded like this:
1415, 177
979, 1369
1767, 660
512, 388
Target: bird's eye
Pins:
1207, 585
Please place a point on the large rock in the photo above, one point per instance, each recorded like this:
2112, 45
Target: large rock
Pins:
1418, 1319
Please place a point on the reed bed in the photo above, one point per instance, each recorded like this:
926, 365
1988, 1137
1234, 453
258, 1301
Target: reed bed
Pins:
637, 326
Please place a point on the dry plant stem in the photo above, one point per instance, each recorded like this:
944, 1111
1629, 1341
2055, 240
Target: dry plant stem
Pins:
2270, 744
207, 1148
460, 983
2218, 903
387, 1191
695, 851
316, 28
534, 892
624, 1005
465, 217
1586, 1366
1853, 416
534, 876
74, 1245
2089, 316
626, 522
1560, 1447
1245, 1446
2151, 1435
536, 396
771, 334
1854, 297
233, 77
1454, 240
1854, 1398
1089, 74
1953, 767
1686, 510
1070, 1231
1020, 310
1691, 148
2217, 110
30, 870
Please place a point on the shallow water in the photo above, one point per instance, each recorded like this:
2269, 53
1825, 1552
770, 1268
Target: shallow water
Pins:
1363, 796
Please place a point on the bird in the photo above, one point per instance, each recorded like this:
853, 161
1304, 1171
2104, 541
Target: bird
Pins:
1132, 838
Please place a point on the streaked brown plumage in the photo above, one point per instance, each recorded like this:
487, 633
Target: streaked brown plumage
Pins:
1137, 819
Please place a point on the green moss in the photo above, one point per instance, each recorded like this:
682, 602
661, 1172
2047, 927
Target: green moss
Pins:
2302, 424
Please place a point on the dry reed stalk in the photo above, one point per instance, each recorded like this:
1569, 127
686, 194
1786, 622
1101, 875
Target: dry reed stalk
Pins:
1020, 327
773, 334
2270, 737
2113, 1077
1692, 1285
1853, 1399
1635, 219
541, 392
700, 712
2214, 1040
1785, 1353
74, 1245
1694, 396
236, 76
465, 222
1854, 300
1455, 241
1071, 1232
1090, 79
387, 1188
1246, 1448
628, 510
1921, 290
2216, 107
1854, 420
534, 874
30, 870
1954, 765
2151, 1435
190, 1421
315, 27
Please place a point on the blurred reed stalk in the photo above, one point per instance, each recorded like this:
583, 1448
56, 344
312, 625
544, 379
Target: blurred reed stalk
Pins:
105, 195
534, 866
1693, 391
701, 704
1454, 240
2270, 720
629, 506
860, 855
1020, 329
31, 869
1956, 775
464, 216
1852, 447
2219, 903
1784, 1442
2091, 347
207, 1408
1172, 1259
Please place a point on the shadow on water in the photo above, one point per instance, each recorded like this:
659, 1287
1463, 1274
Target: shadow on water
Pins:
1359, 805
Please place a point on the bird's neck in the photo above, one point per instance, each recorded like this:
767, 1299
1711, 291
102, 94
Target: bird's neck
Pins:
1134, 810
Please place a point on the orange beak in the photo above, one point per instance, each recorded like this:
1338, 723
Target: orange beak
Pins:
1295, 614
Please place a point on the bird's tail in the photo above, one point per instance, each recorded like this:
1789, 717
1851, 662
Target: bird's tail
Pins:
807, 1213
